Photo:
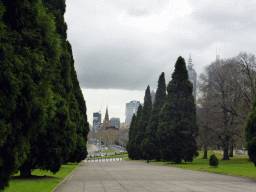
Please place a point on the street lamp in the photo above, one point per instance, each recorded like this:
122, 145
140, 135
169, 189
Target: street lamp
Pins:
108, 138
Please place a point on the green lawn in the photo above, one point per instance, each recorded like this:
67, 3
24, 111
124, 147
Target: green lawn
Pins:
112, 156
108, 151
39, 182
105, 151
238, 165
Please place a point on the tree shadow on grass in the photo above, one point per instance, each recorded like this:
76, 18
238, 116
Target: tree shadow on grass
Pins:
32, 177
173, 163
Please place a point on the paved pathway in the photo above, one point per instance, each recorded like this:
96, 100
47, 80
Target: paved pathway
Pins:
120, 176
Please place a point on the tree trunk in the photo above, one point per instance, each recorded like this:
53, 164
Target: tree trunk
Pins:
25, 169
158, 155
205, 151
25, 172
225, 149
231, 149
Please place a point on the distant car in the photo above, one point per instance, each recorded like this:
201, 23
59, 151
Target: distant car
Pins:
103, 154
122, 151
97, 151
240, 152
98, 155
106, 148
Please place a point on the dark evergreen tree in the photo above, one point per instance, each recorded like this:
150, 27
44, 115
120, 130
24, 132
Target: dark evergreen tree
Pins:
131, 129
78, 115
142, 124
29, 45
64, 138
177, 122
133, 147
150, 144
213, 161
250, 134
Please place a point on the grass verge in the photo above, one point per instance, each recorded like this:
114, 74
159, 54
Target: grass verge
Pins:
108, 151
112, 156
238, 165
105, 151
41, 181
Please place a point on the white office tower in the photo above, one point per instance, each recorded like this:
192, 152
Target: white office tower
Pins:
130, 109
153, 96
192, 75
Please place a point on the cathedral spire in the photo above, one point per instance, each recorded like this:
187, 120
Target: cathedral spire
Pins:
106, 122
106, 115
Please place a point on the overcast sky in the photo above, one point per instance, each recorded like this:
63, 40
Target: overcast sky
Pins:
121, 46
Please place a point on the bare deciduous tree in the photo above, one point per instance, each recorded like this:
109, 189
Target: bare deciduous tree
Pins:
122, 136
227, 92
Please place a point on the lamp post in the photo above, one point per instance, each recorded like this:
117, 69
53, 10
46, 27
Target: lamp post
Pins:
108, 138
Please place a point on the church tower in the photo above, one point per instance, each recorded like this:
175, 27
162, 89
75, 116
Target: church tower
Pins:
192, 75
106, 122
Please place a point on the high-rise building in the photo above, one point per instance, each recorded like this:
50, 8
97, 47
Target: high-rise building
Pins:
96, 122
192, 75
130, 109
115, 122
153, 96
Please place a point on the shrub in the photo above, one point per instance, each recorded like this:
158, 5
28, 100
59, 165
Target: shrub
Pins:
213, 161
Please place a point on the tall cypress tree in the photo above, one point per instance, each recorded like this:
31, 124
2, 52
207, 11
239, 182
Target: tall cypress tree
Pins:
28, 50
11, 152
250, 134
150, 144
67, 85
45, 151
78, 115
133, 148
177, 122
130, 136
142, 124
55, 145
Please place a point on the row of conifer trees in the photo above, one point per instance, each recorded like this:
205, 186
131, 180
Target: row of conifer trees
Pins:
43, 121
166, 130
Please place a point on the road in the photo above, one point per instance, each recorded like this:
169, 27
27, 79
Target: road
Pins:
130, 176
92, 148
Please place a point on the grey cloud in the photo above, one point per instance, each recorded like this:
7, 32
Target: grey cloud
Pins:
109, 54
138, 12
232, 18
141, 5
116, 67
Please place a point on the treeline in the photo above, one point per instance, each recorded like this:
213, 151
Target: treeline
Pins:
166, 130
43, 121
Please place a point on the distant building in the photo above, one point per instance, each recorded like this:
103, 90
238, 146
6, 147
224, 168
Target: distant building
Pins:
106, 122
115, 122
130, 109
153, 96
125, 125
113, 128
192, 75
96, 122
